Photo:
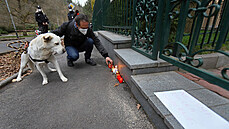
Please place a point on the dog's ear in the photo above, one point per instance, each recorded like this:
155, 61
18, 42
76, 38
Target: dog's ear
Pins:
47, 38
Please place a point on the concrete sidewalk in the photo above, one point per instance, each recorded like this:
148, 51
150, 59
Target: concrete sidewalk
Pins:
88, 100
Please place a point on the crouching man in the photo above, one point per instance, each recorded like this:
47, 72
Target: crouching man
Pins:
79, 37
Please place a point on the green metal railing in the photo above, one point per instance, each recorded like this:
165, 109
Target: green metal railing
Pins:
145, 32
177, 29
115, 16
209, 38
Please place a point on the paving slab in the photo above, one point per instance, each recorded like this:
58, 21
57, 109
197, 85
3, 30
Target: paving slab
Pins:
139, 64
208, 97
115, 38
223, 110
134, 59
165, 81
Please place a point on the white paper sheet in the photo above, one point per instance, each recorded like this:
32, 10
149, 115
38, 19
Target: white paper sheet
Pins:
190, 112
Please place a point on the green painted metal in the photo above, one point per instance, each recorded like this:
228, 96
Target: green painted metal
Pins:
202, 37
210, 77
113, 15
146, 32
177, 29
224, 27
97, 15
132, 17
181, 28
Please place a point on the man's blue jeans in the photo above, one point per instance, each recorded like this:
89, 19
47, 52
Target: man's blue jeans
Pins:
73, 52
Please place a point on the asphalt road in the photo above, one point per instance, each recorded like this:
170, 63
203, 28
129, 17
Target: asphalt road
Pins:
88, 100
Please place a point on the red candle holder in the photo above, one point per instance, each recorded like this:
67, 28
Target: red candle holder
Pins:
120, 80
118, 77
110, 65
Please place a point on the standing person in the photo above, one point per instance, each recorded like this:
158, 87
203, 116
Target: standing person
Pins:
42, 20
79, 37
70, 14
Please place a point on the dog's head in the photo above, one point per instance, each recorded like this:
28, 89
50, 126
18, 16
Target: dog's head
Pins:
53, 42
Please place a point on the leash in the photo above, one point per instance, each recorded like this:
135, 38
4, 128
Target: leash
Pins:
22, 48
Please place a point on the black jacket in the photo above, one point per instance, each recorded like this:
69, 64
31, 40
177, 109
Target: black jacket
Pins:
70, 16
73, 37
40, 18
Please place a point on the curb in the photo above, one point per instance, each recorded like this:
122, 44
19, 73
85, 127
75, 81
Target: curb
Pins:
9, 79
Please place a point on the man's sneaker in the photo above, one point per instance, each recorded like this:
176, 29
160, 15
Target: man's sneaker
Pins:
90, 62
70, 63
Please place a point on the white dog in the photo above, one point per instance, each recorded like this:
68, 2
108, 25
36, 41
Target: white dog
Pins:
41, 50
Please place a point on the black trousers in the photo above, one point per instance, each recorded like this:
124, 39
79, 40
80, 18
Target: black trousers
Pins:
43, 28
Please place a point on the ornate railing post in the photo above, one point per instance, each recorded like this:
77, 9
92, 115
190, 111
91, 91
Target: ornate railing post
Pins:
147, 27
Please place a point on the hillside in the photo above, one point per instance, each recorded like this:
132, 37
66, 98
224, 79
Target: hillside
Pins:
23, 13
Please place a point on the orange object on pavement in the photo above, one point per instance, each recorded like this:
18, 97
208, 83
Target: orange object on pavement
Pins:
120, 80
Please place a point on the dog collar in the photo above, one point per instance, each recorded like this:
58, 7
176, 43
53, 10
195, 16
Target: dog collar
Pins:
35, 60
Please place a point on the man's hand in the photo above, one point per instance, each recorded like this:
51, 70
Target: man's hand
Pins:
45, 23
108, 59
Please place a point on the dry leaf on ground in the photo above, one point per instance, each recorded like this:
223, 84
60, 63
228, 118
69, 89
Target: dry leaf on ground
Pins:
116, 84
138, 106
9, 65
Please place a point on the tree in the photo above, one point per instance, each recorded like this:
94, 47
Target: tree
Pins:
22, 11
4, 14
87, 10
92, 4
78, 4
69, 1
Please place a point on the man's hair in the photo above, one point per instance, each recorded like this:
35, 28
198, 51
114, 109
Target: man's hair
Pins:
81, 17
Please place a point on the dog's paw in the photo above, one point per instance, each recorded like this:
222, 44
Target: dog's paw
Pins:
18, 79
53, 70
64, 79
45, 82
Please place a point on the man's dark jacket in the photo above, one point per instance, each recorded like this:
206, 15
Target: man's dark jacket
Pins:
73, 37
40, 18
